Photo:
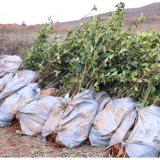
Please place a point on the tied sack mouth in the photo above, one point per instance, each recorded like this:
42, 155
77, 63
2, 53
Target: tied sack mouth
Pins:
118, 150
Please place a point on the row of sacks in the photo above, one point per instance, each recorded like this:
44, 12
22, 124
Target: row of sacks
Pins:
12, 80
127, 130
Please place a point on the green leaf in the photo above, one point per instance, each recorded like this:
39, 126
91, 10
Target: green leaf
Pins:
115, 73
104, 49
9, 155
19, 132
30, 54
94, 8
123, 50
145, 80
96, 84
153, 89
107, 74
134, 23
134, 79
27, 102
128, 44
16, 136
110, 50
68, 146
96, 39
145, 42
129, 28
57, 36
71, 64
36, 151
91, 48
96, 55
103, 34
156, 100
133, 64
44, 82
82, 89
157, 45
110, 56
132, 75
155, 54
144, 34
40, 81
124, 72
56, 54
25, 42
147, 69
135, 88
123, 42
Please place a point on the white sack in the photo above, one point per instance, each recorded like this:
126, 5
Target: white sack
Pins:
9, 107
9, 64
101, 98
34, 112
13, 82
144, 140
108, 120
72, 119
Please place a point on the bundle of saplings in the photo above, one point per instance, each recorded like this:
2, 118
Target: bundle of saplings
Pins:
102, 55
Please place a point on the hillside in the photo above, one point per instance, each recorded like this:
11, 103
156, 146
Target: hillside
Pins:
151, 12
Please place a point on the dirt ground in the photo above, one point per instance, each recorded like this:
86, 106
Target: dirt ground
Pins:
12, 145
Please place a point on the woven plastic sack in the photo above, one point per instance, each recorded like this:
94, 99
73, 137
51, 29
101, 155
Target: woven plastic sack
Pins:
108, 120
144, 140
9, 107
14, 81
102, 98
34, 112
71, 119
9, 64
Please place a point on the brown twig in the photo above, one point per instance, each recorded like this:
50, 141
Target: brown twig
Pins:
12, 127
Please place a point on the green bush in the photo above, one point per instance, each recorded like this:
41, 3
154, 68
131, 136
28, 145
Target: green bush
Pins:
103, 55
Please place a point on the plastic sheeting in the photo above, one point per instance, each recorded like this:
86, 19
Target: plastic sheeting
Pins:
34, 112
14, 81
10, 105
108, 120
144, 140
9, 64
72, 119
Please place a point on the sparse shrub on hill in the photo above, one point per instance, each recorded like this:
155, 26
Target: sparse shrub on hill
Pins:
101, 56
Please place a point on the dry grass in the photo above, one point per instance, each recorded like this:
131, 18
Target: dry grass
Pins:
13, 36
145, 27
11, 39
32, 146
